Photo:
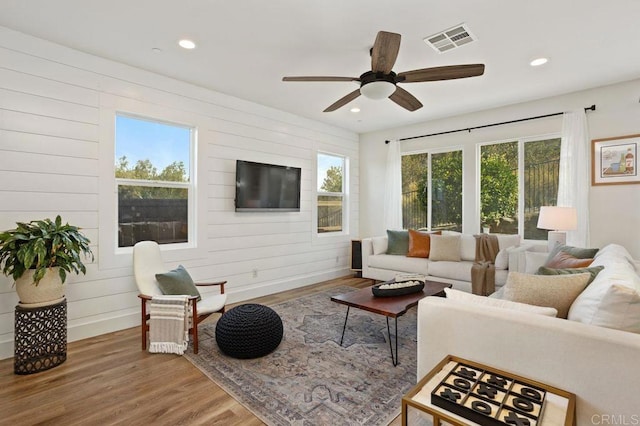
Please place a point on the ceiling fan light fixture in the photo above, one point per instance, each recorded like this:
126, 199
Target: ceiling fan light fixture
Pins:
377, 89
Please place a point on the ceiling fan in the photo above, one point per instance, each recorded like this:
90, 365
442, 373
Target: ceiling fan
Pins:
381, 82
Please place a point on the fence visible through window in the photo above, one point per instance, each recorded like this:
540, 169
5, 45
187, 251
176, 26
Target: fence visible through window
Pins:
540, 189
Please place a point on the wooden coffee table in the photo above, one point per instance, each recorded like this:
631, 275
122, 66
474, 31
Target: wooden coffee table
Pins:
393, 307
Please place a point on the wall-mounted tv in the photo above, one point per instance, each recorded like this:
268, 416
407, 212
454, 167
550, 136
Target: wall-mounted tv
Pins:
267, 187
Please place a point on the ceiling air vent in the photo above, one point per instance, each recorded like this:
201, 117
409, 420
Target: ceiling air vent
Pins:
450, 39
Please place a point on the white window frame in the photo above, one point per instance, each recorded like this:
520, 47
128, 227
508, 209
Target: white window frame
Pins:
521, 142
344, 194
110, 255
191, 235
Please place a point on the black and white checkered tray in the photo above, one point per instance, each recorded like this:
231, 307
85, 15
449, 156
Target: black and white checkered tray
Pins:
489, 399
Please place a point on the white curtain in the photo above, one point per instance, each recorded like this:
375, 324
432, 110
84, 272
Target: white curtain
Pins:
573, 185
393, 187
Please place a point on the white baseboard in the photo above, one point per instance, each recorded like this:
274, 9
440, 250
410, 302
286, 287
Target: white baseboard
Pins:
92, 329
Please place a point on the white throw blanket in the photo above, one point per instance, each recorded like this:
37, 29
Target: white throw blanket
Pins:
168, 324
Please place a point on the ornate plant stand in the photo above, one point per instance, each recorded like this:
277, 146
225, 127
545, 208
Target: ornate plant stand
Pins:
40, 337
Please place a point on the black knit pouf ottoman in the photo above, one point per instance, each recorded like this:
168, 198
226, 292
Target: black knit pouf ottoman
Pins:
249, 331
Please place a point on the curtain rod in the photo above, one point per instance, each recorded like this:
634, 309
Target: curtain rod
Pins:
469, 129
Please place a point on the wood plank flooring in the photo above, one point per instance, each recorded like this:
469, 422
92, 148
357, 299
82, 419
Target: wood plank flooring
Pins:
108, 380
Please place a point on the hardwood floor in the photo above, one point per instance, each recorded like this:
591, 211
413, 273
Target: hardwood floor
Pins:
108, 380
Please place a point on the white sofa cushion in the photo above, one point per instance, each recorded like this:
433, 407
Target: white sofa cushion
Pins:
464, 297
467, 245
618, 270
557, 291
619, 309
460, 271
506, 244
534, 261
394, 262
380, 245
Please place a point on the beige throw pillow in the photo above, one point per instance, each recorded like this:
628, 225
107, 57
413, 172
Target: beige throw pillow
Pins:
556, 291
445, 247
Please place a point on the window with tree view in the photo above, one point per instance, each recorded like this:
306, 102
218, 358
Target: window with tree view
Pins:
432, 190
154, 182
331, 181
510, 205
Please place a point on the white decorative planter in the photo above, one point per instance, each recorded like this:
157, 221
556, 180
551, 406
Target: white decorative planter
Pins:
49, 290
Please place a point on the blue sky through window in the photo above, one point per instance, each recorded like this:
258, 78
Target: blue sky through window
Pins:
160, 143
325, 162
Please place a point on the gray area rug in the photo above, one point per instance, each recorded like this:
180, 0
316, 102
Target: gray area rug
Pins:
310, 379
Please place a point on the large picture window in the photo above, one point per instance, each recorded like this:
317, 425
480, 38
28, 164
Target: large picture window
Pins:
516, 179
331, 192
432, 190
153, 172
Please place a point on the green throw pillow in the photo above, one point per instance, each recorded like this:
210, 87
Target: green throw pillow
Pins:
580, 253
177, 281
594, 271
398, 242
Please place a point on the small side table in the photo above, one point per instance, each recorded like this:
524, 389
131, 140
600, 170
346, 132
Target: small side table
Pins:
558, 408
40, 337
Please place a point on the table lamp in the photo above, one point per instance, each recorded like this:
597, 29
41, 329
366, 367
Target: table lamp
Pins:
557, 220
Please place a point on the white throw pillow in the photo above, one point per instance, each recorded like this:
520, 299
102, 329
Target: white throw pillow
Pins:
556, 291
619, 309
505, 242
445, 247
379, 245
473, 299
467, 247
502, 258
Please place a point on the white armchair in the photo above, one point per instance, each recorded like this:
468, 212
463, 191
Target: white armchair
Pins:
147, 262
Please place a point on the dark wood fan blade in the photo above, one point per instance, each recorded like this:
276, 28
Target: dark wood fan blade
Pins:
343, 101
441, 73
319, 78
384, 52
405, 99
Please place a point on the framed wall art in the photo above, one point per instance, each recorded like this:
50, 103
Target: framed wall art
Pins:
614, 161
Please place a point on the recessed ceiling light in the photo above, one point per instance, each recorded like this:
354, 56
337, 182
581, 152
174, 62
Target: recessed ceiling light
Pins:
156, 50
539, 61
355, 109
187, 44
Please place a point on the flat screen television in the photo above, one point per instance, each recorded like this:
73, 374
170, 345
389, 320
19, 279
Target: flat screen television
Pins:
267, 187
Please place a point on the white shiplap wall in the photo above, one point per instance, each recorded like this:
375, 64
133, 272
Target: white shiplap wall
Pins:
56, 157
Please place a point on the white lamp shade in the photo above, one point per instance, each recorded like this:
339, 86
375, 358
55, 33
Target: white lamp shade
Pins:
558, 218
378, 89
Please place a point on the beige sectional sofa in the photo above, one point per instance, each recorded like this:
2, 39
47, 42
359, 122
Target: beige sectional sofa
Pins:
594, 353
378, 265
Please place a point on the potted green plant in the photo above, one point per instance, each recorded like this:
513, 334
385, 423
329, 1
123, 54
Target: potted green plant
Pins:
39, 254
